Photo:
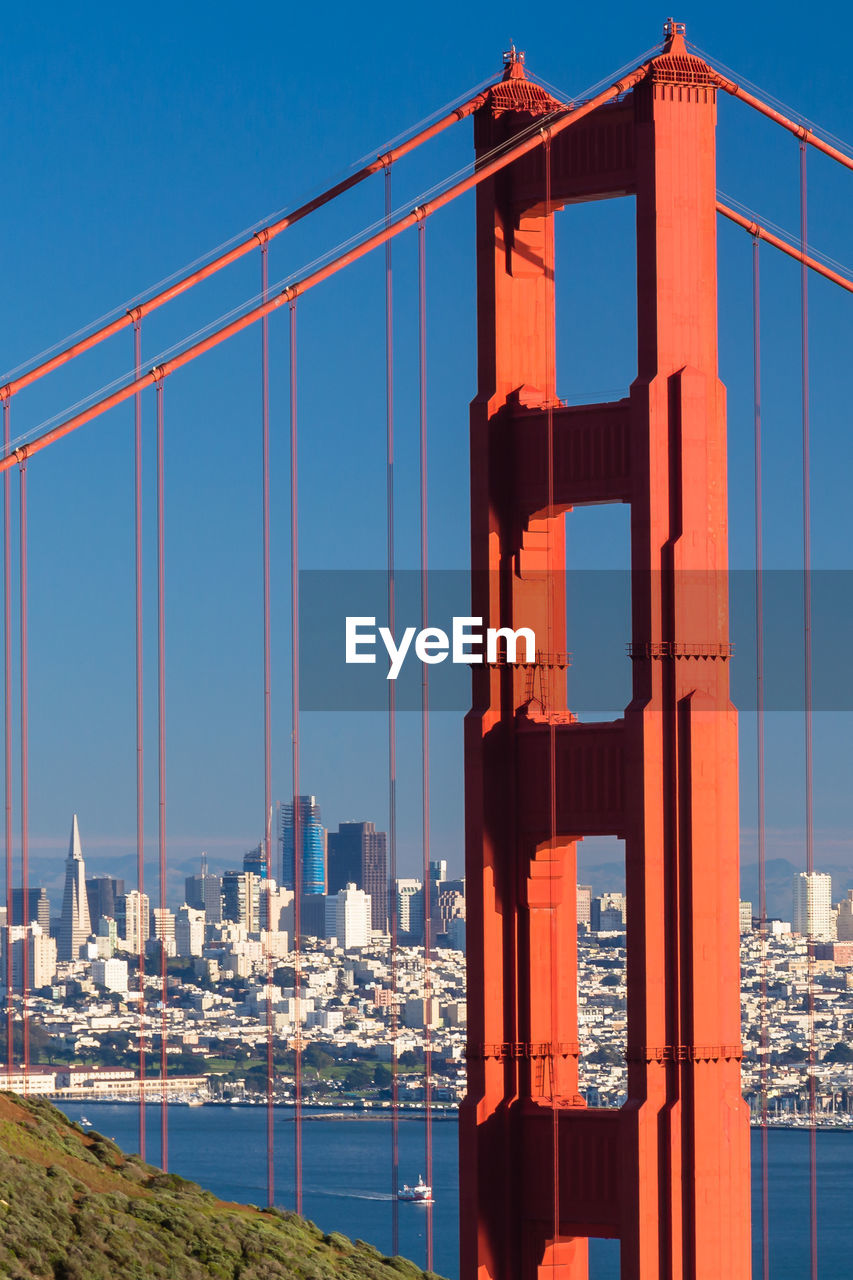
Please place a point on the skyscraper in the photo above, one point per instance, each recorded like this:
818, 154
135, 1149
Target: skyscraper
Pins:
241, 895
358, 855
134, 920
255, 860
38, 908
102, 893
204, 892
75, 924
348, 917
813, 913
312, 840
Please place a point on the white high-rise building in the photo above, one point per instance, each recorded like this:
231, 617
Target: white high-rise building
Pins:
110, 974
134, 920
75, 925
844, 918
41, 956
813, 913
348, 917
189, 931
410, 907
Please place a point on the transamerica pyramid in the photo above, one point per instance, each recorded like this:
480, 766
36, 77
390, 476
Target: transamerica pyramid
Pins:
75, 925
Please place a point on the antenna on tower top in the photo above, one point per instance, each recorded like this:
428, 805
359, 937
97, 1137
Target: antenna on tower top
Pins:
673, 28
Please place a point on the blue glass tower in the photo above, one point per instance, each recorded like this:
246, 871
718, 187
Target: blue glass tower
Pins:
312, 840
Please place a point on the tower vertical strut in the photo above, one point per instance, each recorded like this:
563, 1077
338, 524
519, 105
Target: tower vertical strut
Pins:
541, 1171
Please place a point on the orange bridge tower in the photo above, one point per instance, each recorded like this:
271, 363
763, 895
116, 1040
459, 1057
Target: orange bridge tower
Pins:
667, 1173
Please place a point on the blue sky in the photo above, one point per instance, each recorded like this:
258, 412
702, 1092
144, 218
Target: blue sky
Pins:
138, 138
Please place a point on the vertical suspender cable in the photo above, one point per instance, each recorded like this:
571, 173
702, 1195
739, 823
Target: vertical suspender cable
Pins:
161, 772
140, 759
392, 721
7, 708
807, 638
550, 676
425, 779
759, 691
25, 770
297, 815
265, 482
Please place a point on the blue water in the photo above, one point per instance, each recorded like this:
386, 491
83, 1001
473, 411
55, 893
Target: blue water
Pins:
347, 1181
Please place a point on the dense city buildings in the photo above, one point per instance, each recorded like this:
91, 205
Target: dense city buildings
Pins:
304, 814
229, 957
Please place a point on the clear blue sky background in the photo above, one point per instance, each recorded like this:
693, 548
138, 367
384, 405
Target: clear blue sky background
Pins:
137, 138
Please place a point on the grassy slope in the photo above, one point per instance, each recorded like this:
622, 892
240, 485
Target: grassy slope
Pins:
73, 1207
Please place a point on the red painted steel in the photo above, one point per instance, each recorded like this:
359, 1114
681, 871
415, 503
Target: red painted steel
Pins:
760, 233
807, 682
668, 1173
265, 571
392, 721
140, 722
799, 130
261, 237
295, 737
764, 1039
7, 735
425, 762
161, 769
25, 765
494, 166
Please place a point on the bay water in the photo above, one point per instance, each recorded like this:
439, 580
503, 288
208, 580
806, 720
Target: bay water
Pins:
347, 1179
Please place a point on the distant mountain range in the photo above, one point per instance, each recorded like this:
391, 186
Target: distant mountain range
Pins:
779, 877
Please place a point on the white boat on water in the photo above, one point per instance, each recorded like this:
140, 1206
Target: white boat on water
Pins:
420, 1193
85, 1122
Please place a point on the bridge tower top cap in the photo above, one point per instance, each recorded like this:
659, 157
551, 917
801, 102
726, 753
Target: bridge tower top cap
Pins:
674, 33
513, 63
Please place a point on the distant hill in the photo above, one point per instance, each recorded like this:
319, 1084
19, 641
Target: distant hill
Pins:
73, 1207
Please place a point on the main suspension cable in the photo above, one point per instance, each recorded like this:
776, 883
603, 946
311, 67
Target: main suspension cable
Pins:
262, 236
301, 286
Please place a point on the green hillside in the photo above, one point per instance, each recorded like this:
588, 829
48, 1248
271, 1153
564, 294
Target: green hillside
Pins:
73, 1207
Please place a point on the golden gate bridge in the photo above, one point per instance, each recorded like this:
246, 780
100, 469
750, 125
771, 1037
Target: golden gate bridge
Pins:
668, 1173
